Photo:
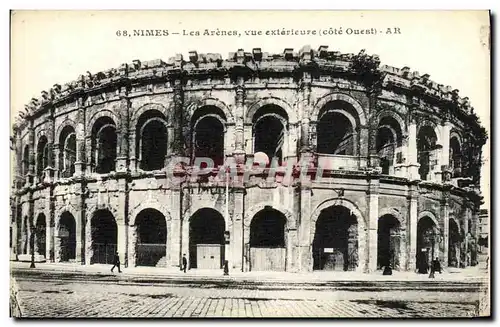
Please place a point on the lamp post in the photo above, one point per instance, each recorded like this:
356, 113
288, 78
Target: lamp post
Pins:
32, 244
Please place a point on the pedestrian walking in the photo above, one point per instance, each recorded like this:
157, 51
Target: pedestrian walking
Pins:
226, 268
184, 263
116, 263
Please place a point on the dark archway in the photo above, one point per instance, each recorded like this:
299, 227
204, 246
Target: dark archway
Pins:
67, 235
42, 156
427, 239
455, 157
426, 150
335, 244
270, 124
67, 151
152, 140
335, 134
26, 160
104, 141
208, 136
206, 239
151, 238
454, 240
389, 139
388, 243
104, 237
40, 236
268, 241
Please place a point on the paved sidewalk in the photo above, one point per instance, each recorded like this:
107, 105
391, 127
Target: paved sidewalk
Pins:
470, 274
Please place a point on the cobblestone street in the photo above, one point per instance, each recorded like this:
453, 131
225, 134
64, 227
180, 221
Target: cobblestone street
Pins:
64, 299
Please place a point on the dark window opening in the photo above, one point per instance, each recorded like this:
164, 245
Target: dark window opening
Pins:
152, 140
335, 244
67, 235
453, 244
209, 140
151, 238
427, 238
67, 151
40, 229
26, 160
206, 233
335, 134
455, 158
269, 137
268, 229
426, 146
388, 139
388, 247
42, 156
270, 124
104, 237
104, 145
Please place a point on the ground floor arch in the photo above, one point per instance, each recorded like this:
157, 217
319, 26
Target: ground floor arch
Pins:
335, 242
40, 235
268, 241
428, 238
389, 242
66, 235
104, 236
151, 243
454, 240
206, 239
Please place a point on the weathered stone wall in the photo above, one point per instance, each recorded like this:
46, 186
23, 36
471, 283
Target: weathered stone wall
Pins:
301, 85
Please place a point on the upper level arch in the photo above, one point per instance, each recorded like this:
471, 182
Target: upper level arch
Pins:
270, 102
342, 99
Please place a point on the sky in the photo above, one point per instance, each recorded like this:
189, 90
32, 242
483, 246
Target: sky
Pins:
56, 47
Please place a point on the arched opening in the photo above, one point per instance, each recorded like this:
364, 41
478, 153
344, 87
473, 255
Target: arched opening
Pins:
388, 144
152, 140
270, 124
151, 238
104, 237
208, 134
206, 239
67, 151
104, 141
454, 240
335, 134
389, 242
268, 241
335, 243
26, 160
455, 157
67, 237
42, 156
427, 243
40, 229
426, 151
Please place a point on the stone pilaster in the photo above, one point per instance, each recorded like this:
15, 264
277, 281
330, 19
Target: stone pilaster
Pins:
132, 244
413, 164
445, 227
236, 236
174, 237
443, 158
304, 253
239, 129
122, 220
373, 205
412, 230
178, 146
81, 144
123, 135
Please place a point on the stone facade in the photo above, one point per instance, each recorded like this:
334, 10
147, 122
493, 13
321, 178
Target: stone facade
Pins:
412, 155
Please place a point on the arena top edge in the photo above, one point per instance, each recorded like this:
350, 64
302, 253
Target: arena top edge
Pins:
361, 66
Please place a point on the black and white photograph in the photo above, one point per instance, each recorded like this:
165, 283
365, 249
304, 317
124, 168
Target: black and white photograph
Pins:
250, 164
